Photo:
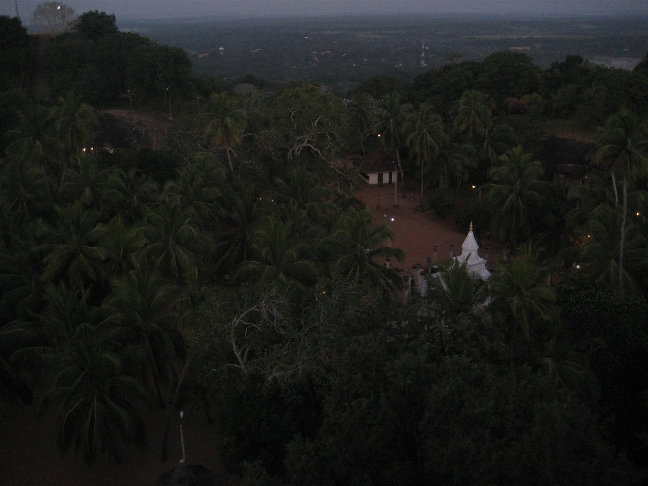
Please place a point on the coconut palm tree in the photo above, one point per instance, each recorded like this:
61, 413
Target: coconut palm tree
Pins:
122, 244
240, 222
99, 399
280, 255
454, 291
496, 140
74, 124
516, 192
305, 191
13, 383
72, 251
623, 150
393, 116
142, 306
200, 187
84, 181
364, 117
70, 344
598, 257
20, 269
426, 136
25, 191
172, 237
129, 193
33, 138
359, 250
521, 294
460, 161
474, 114
225, 124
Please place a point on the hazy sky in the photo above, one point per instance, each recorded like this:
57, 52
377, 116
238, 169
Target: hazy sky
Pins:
143, 9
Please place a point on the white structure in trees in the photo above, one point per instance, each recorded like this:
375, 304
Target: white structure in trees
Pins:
470, 256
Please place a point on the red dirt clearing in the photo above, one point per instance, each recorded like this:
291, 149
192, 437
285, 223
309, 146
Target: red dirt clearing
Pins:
416, 232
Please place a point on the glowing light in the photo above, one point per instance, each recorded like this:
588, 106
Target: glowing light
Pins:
474, 186
638, 213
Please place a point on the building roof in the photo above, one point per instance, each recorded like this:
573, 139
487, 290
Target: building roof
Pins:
379, 161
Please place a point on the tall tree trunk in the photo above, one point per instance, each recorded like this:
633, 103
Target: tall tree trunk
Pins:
229, 160
421, 181
616, 192
400, 167
622, 236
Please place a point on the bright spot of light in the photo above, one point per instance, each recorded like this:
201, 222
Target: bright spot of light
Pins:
393, 219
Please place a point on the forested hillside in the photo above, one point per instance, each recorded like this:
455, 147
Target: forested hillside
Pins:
219, 256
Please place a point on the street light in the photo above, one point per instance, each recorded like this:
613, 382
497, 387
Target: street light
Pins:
395, 186
184, 458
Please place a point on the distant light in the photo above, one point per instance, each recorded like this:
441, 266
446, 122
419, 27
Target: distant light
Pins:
379, 135
474, 186
393, 219
577, 266
638, 213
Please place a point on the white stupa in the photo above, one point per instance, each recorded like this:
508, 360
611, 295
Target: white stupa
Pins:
470, 256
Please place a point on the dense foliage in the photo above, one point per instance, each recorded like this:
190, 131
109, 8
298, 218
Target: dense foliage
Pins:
234, 247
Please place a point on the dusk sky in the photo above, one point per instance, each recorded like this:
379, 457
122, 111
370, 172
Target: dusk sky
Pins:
149, 9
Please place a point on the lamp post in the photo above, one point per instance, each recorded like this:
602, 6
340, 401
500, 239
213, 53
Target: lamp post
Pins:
184, 457
395, 186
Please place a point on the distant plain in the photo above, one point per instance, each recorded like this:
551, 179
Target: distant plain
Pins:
343, 51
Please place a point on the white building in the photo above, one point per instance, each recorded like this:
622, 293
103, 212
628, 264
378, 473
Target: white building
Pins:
379, 168
470, 256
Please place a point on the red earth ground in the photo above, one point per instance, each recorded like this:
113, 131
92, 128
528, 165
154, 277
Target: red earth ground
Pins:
29, 455
417, 232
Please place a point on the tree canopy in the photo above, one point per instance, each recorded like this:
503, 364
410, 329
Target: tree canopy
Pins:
217, 255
